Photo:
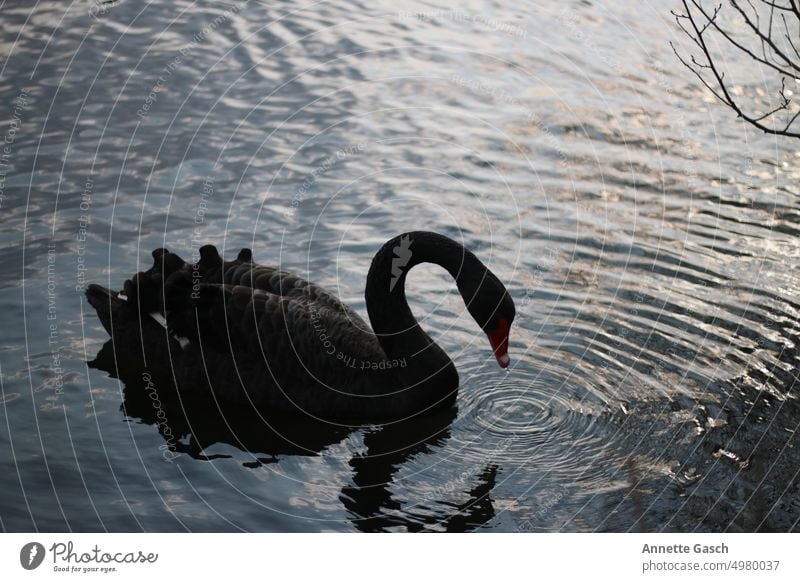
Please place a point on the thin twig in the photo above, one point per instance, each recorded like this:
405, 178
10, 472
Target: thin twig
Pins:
767, 38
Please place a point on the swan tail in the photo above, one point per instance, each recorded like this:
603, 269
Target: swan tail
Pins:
108, 305
130, 332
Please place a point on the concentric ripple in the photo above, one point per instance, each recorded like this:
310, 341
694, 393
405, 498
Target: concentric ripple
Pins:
533, 413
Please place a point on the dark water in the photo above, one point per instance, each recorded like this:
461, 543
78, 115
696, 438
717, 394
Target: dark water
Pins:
649, 240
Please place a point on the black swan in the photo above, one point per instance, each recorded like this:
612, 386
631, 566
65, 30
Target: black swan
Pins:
257, 335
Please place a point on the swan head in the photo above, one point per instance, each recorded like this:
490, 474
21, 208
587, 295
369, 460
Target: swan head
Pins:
493, 309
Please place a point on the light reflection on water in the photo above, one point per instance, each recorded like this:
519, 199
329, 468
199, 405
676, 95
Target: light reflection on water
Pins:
648, 239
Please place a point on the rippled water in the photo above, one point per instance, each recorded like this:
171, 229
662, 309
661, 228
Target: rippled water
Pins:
648, 238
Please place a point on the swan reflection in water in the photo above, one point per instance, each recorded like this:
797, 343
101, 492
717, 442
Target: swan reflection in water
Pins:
192, 423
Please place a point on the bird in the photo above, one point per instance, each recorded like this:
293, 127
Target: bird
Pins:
259, 336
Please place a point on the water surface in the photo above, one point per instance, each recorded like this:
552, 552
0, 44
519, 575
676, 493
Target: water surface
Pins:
648, 238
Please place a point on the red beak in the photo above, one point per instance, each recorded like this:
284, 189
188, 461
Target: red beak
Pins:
499, 341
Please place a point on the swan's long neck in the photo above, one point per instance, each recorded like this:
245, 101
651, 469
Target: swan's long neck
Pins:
397, 329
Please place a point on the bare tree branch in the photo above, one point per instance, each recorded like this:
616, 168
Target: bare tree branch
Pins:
766, 37
778, 53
